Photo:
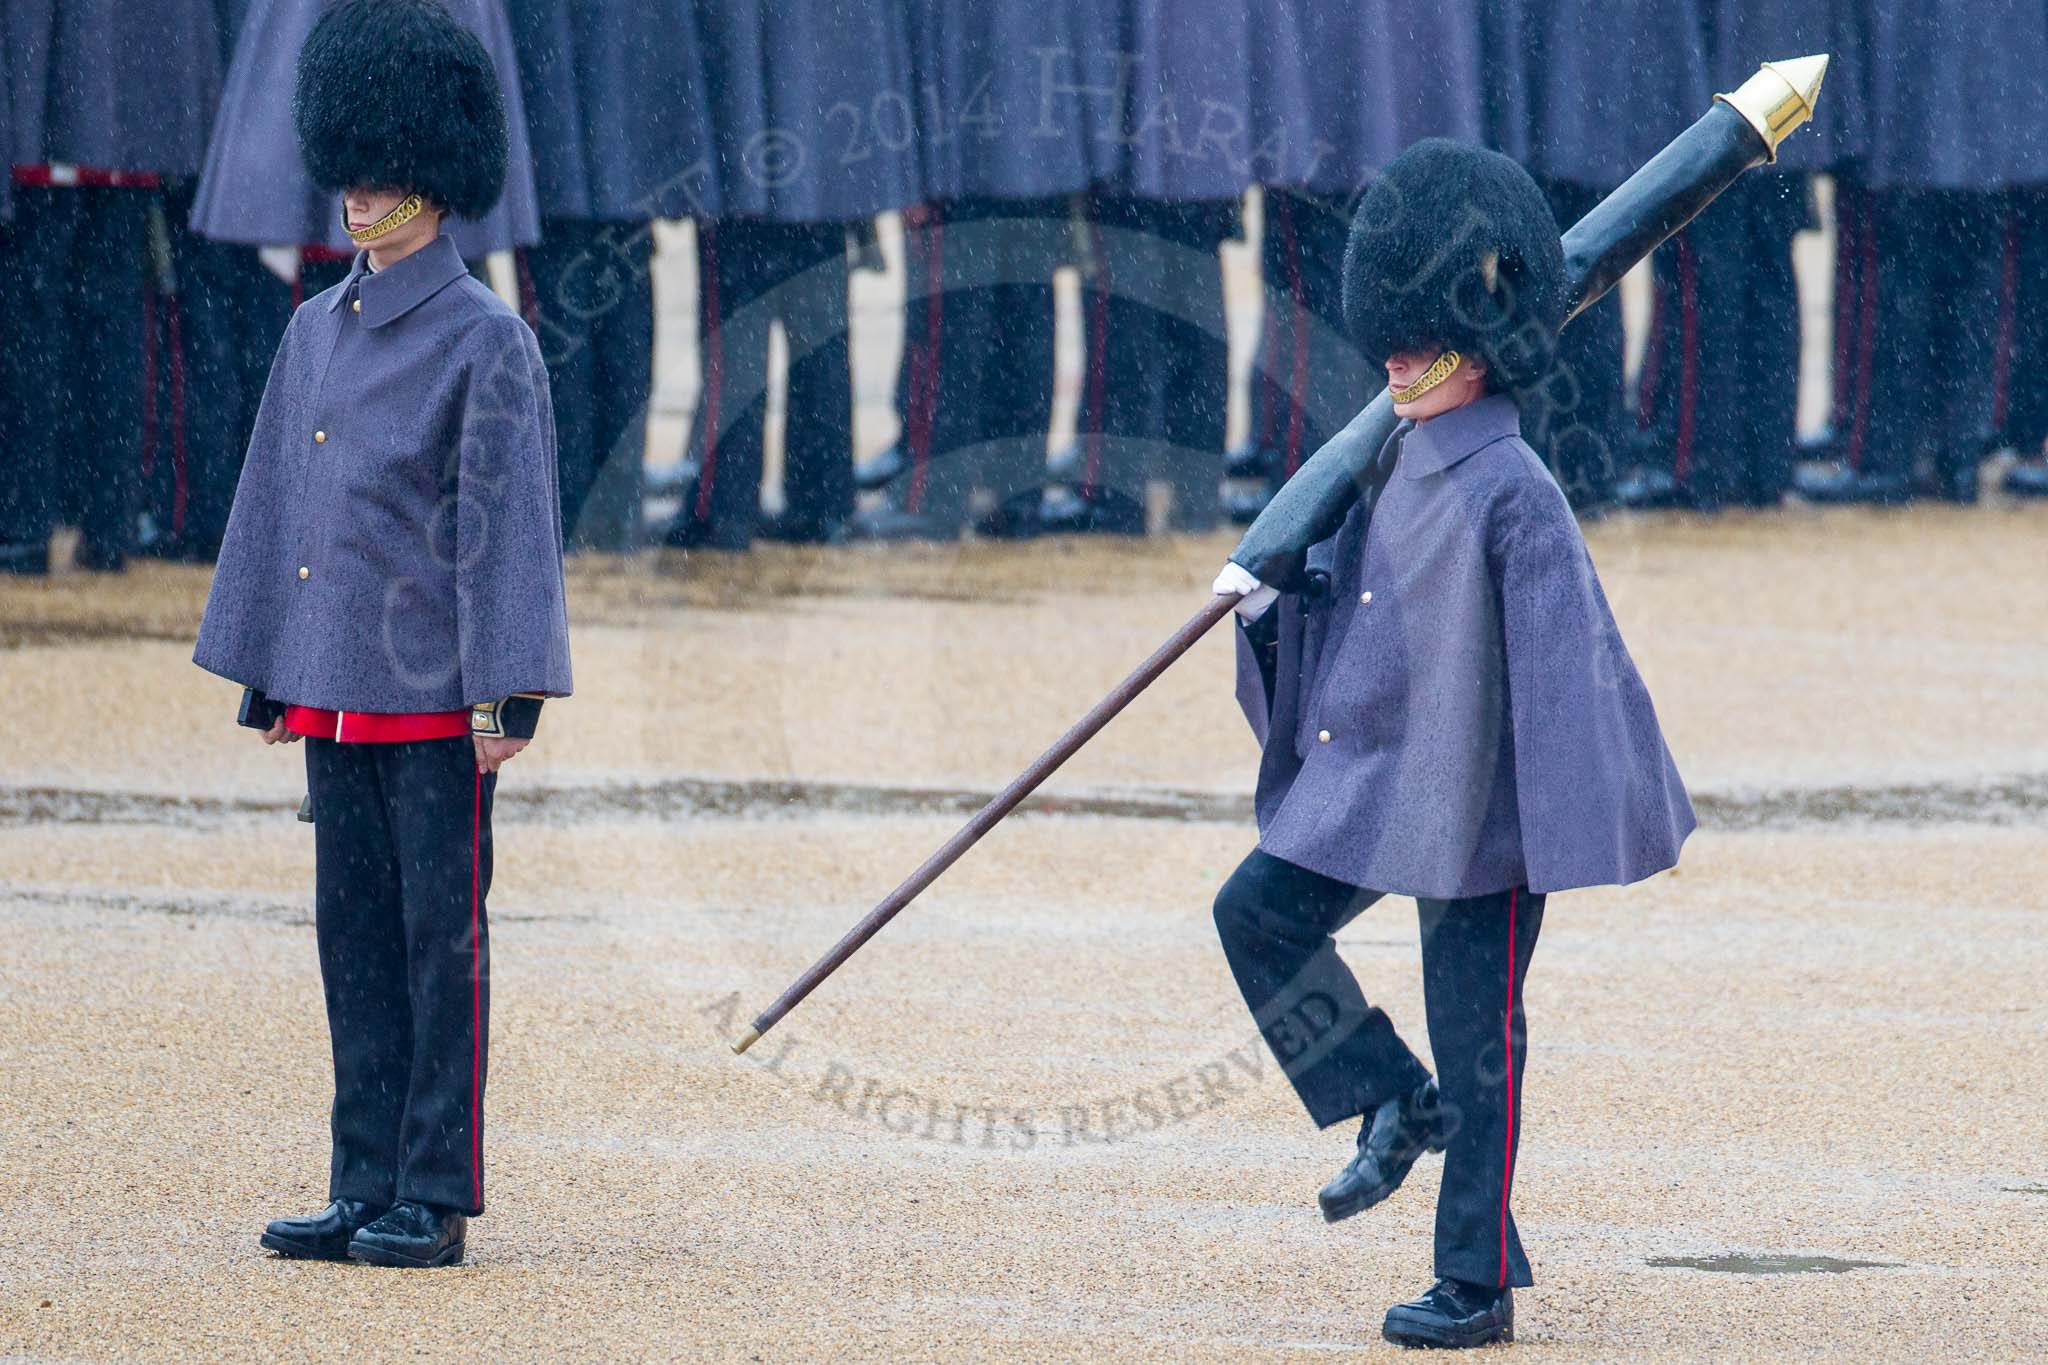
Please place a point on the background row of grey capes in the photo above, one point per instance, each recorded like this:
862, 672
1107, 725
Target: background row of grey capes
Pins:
821, 110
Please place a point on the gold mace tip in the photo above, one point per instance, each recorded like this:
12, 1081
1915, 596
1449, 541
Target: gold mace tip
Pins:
747, 1040
1779, 97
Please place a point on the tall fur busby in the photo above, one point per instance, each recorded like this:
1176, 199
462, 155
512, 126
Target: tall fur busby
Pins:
1455, 246
401, 93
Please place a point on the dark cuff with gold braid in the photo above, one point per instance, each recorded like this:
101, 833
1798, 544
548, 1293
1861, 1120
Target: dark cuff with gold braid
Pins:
513, 717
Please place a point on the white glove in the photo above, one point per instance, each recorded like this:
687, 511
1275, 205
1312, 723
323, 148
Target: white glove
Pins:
1236, 580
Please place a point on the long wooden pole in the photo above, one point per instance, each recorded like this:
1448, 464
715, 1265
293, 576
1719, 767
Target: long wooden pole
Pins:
989, 815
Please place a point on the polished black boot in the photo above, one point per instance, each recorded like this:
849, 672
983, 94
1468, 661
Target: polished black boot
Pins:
1389, 1141
1842, 484
2027, 478
879, 471
325, 1235
412, 1234
1454, 1314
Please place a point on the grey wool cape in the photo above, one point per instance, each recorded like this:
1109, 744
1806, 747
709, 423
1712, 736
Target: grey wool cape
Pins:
1458, 715
395, 543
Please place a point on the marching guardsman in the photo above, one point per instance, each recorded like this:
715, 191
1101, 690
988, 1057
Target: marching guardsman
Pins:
1348, 101
1447, 712
809, 113
390, 591
1931, 204
106, 99
617, 116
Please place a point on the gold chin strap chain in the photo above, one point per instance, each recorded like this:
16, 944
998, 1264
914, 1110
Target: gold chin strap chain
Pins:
1431, 377
404, 212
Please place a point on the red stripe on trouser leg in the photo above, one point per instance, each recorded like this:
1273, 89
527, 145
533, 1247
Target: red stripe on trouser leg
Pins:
714, 363
529, 297
2008, 300
1507, 1169
1098, 344
927, 400
1688, 359
476, 997
1297, 377
148, 382
181, 479
1866, 336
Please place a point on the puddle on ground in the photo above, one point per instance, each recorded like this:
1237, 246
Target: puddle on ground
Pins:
2018, 800
1732, 1263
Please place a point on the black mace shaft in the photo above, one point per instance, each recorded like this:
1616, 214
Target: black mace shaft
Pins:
989, 815
1741, 130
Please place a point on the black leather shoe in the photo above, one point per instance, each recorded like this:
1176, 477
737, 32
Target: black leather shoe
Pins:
1068, 511
1453, 1314
1243, 506
1957, 483
888, 522
2027, 478
798, 530
324, 1236
1842, 484
1249, 460
1389, 1141
1650, 488
879, 471
411, 1234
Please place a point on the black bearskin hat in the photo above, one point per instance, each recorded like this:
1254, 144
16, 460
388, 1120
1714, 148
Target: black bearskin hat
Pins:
1455, 246
400, 93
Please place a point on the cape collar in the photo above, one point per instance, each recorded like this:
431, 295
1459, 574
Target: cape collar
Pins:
405, 284
1435, 445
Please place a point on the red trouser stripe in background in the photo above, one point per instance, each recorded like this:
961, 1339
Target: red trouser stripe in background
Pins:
1507, 1169
1098, 343
1688, 359
714, 364
476, 996
1297, 375
2008, 300
924, 400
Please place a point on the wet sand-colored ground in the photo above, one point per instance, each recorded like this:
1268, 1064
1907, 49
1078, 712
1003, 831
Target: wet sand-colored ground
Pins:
1784, 1102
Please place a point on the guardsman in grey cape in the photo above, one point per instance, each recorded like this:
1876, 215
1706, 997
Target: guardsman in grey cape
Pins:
390, 590
1447, 712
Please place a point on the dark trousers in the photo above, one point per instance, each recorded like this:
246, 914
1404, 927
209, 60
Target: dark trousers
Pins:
1156, 383
588, 292
212, 336
402, 840
71, 330
1573, 417
1345, 1059
2019, 374
1720, 383
1309, 380
1916, 327
750, 274
975, 386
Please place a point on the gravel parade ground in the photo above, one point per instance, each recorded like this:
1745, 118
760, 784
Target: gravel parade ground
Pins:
1786, 1102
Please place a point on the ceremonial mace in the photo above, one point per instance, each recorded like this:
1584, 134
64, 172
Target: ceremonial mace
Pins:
1738, 131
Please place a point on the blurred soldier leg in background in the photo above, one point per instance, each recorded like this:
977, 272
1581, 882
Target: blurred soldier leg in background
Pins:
1305, 367
74, 361
975, 386
1575, 423
215, 325
1155, 385
1722, 397
752, 272
2023, 332
587, 290
1934, 309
